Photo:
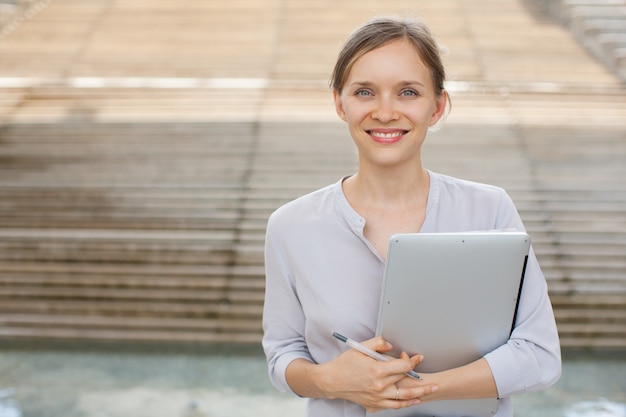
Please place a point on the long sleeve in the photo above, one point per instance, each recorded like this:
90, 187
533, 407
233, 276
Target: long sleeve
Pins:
283, 318
531, 359
307, 279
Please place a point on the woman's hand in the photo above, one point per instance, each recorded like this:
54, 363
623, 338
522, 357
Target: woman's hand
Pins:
373, 384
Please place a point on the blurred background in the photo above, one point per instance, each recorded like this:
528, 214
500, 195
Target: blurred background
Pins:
143, 145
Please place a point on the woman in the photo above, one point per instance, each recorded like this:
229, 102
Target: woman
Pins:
325, 252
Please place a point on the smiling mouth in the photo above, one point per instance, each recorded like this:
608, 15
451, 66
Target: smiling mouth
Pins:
386, 137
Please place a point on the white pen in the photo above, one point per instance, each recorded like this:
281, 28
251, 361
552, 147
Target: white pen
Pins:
369, 352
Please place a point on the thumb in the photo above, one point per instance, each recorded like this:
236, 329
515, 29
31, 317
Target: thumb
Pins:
378, 344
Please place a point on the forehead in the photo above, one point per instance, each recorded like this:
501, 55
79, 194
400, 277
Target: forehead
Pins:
396, 59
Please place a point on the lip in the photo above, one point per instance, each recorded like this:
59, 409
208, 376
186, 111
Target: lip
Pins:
386, 136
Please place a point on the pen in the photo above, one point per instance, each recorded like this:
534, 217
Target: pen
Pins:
369, 352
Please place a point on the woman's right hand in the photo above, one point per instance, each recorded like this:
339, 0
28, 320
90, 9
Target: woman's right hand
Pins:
356, 377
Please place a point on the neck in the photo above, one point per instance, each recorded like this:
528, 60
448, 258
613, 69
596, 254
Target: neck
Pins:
389, 188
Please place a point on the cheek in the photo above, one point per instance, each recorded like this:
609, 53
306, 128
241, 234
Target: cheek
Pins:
419, 114
355, 113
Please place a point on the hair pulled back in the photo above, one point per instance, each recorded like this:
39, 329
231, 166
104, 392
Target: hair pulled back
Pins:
380, 31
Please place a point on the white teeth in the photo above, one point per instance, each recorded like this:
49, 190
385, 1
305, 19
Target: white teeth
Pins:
386, 135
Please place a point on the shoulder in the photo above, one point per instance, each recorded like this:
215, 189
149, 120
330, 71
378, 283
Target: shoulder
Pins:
466, 187
304, 207
473, 204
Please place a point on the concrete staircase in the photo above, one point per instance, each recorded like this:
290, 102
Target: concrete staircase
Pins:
137, 173
144, 233
600, 25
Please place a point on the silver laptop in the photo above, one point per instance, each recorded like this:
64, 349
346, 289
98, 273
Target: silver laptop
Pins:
453, 298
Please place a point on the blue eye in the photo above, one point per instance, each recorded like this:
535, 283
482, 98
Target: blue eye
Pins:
363, 93
409, 93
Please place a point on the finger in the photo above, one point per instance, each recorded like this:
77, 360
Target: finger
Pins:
394, 399
417, 392
397, 404
378, 344
406, 363
416, 360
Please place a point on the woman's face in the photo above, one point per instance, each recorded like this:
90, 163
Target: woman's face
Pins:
389, 102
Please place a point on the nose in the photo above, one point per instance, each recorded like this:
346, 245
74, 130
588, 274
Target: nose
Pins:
385, 110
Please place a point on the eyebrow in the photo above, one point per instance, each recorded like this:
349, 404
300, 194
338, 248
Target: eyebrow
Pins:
401, 83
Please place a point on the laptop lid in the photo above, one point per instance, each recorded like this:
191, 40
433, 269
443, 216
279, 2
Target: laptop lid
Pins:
451, 297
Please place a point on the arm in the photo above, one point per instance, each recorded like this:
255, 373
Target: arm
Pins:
531, 359
474, 380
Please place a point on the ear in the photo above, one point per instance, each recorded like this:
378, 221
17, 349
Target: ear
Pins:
440, 108
339, 105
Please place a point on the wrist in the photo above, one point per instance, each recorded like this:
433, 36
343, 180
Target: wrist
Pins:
322, 379
308, 379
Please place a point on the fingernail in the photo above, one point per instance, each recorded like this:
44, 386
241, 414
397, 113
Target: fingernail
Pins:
435, 389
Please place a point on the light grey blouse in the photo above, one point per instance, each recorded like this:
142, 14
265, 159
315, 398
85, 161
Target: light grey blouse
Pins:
323, 275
